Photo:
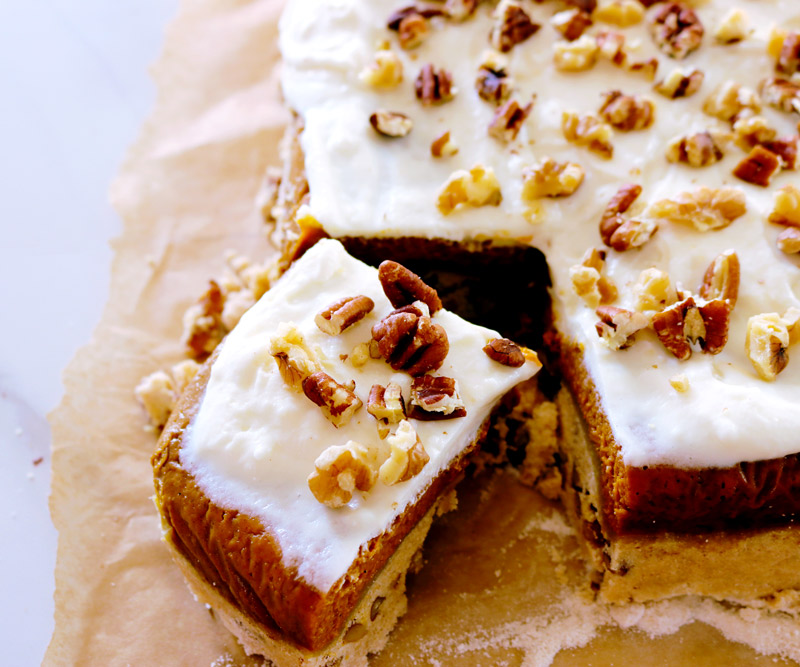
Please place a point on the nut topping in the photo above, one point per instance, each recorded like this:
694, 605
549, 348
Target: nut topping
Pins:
386, 404
412, 30
477, 187
407, 458
343, 314
750, 131
571, 23
611, 46
627, 112
385, 72
295, 361
733, 27
679, 83
203, 328
705, 209
721, 279
589, 282
434, 398
697, 150
403, 287
670, 327
676, 29
588, 130
781, 94
460, 10
730, 100
618, 327
504, 352
443, 146
508, 119
493, 85
411, 342
623, 13
758, 167
789, 241
393, 22
575, 56
766, 344
787, 207
549, 178
433, 86
654, 290
340, 470
622, 233
512, 26
789, 58
391, 124
338, 402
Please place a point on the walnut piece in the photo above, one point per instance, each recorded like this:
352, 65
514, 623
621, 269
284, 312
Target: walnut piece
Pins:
721, 279
758, 167
435, 398
403, 287
433, 86
407, 458
575, 56
386, 404
338, 402
696, 150
623, 13
619, 232
789, 57
386, 71
676, 29
392, 124
750, 131
508, 119
733, 27
512, 26
477, 187
589, 131
618, 327
781, 94
295, 360
788, 241
786, 210
627, 112
680, 83
203, 328
571, 23
589, 282
443, 146
460, 10
648, 68
705, 208
611, 45
410, 341
549, 178
343, 314
505, 352
654, 290
340, 470
766, 344
731, 100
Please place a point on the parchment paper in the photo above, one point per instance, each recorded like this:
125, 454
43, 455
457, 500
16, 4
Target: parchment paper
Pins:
503, 582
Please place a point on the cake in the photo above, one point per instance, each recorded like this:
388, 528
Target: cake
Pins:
298, 476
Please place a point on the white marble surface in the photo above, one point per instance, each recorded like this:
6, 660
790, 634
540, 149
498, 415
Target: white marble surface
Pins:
73, 76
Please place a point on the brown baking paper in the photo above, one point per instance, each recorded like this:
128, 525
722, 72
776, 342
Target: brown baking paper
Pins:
503, 581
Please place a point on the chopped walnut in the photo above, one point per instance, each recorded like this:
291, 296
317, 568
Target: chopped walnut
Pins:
766, 344
721, 279
788, 61
571, 23
407, 458
403, 287
549, 178
758, 167
512, 26
443, 146
786, 210
627, 112
589, 282
611, 45
343, 314
338, 402
505, 352
410, 341
434, 398
781, 94
680, 83
157, 395
508, 119
623, 13
392, 124
704, 208
433, 86
589, 131
696, 150
386, 404
385, 72
679, 383
360, 355
575, 56
203, 328
654, 290
295, 360
618, 327
752, 130
730, 100
460, 10
477, 187
676, 29
340, 470
789, 241
733, 27
648, 68
493, 85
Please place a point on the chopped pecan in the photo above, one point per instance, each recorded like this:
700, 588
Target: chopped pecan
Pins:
403, 287
767, 344
386, 404
411, 342
493, 85
434, 86
343, 314
589, 282
648, 68
705, 208
721, 279
505, 352
460, 10
588, 130
670, 327
619, 232
785, 149
676, 29
716, 318
731, 100
680, 83
295, 361
750, 131
477, 187
732, 28
508, 119
571, 23
407, 456
611, 46
789, 58
549, 178
391, 124
338, 402
789, 241
575, 56
385, 72
618, 327
627, 112
396, 17
434, 398
758, 167
696, 150
623, 13
443, 146
203, 328
340, 470
587, 6
781, 94
786, 210
512, 26
654, 290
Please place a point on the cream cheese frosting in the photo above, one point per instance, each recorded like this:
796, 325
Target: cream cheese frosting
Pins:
254, 441
364, 185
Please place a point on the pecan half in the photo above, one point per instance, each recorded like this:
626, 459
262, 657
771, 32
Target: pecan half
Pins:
571, 23
716, 317
433, 86
386, 404
685, 323
508, 119
618, 327
789, 241
676, 29
338, 402
391, 124
493, 85
619, 232
434, 398
680, 84
696, 150
766, 344
789, 57
670, 327
512, 26
411, 342
721, 279
781, 94
343, 314
627, 112
403, 287
504, 352
407, 456
758, 167
340, 470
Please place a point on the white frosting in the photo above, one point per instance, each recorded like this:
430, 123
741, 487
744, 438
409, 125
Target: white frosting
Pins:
253, 442
362, 184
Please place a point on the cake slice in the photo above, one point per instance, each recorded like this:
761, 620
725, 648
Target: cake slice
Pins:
301, 471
